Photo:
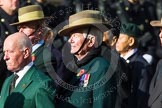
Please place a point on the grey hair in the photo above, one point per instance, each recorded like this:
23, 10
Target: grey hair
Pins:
94, 32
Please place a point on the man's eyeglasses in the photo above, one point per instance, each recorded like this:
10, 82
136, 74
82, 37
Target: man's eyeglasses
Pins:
33, 28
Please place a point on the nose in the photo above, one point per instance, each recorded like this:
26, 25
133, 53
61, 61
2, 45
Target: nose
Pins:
160, 34
6, 57
70, 39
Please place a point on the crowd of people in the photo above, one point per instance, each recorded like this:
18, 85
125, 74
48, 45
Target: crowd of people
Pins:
80, 54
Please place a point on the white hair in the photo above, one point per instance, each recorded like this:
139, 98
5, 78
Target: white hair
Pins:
94, 32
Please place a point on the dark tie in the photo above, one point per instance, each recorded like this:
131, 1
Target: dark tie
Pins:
13, 81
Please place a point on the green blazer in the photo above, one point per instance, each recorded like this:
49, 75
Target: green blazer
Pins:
35, 90
45, 60
93, 87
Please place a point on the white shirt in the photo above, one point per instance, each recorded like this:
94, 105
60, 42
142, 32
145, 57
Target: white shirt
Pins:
148, 58
36, 46
130, 53
22, 72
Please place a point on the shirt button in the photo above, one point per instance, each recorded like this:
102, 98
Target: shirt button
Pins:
2, 20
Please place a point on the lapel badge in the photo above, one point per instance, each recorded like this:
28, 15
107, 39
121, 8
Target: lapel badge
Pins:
81, 72
33, 57
23, 85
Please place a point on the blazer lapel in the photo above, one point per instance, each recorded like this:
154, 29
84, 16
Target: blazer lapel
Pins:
7, 87
25, 81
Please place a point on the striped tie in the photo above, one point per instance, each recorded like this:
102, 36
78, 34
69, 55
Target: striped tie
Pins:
12, 85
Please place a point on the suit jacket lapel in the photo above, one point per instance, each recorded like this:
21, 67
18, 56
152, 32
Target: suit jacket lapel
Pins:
155, 90
25, 81
155, 86
153, 82
133, 57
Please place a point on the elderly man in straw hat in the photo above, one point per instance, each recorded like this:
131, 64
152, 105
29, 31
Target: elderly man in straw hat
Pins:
31, 22
93, 85
155, 99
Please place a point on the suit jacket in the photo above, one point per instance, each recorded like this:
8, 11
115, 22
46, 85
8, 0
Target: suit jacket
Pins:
35, 90
141, 74
155, 99
122, 72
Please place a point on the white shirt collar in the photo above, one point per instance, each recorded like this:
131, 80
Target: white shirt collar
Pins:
22, 72
36, 46
130, 53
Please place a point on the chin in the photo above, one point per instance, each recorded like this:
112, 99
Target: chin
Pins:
72, 51
10, 69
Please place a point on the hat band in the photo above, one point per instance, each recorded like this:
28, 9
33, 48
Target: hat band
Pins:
30, 16
85, 21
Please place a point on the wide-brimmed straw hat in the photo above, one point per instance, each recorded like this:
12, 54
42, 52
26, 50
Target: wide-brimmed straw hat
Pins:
156, 23
81, 19
29, 13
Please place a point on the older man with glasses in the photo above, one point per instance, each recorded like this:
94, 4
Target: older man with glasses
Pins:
32, 23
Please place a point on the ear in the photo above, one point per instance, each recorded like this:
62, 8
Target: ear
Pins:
91, 41
131, 41
114, 40
105, 37
40, 32
26, 52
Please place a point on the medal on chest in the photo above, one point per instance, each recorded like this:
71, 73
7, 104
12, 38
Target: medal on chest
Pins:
84, 78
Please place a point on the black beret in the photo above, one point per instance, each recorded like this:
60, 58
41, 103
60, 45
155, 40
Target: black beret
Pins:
130, 29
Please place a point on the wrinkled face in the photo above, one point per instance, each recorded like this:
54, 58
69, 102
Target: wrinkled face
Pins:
76, 40
31, 30
13, 56
160, 35
11, 5
122, 44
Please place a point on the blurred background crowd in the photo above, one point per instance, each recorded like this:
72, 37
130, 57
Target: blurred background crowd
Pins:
140, 12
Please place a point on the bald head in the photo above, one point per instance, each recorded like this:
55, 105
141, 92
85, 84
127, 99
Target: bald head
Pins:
20, 40
17, 50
